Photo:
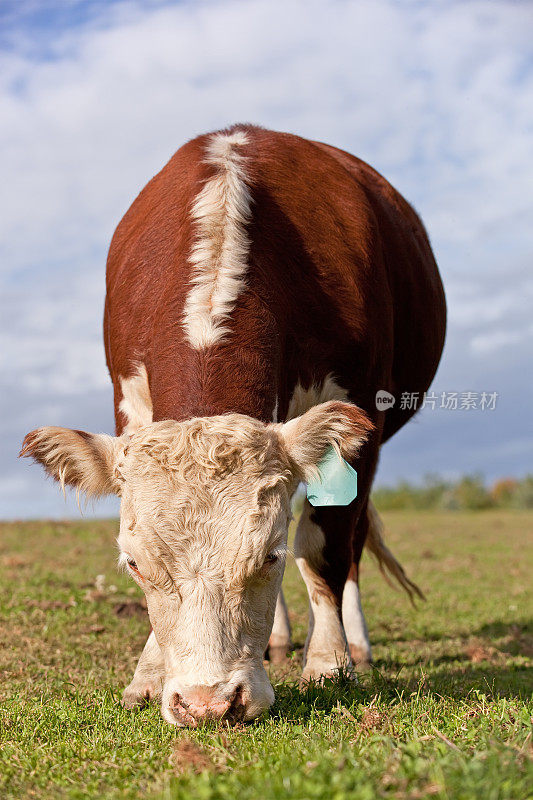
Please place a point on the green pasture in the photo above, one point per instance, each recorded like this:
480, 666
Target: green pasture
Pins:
446, 713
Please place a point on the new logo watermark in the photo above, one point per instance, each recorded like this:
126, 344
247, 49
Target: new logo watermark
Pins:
384, 400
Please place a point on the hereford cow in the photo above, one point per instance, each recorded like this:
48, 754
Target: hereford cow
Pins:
260, 291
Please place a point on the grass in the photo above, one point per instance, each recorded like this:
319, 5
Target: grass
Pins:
447, 712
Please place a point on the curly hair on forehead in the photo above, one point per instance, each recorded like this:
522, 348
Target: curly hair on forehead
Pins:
207, 448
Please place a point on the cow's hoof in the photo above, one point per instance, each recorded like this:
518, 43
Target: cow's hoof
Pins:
361, 658
318, 672
317, 675
138, 694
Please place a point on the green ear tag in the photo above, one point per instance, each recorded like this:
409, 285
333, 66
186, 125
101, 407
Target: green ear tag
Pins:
336, 484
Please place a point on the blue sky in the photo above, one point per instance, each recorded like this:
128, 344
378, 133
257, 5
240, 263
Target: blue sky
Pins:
96, 96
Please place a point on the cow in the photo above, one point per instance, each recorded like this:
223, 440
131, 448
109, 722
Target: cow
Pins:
261, 291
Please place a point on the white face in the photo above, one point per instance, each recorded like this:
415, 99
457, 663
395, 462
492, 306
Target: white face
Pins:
203, 531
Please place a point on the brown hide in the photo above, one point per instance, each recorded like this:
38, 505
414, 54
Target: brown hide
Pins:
341, 279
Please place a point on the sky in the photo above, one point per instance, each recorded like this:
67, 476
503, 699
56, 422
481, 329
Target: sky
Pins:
96, 96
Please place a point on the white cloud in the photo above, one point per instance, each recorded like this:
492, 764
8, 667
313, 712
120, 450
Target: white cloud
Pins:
499, 297
438, 96
489, 343
427, 86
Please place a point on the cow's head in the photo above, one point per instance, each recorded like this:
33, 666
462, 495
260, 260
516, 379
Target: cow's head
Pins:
205, 509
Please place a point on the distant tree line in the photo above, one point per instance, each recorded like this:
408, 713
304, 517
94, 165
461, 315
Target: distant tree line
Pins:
470, 492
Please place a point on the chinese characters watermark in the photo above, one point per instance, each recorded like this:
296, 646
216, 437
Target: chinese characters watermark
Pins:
448, 401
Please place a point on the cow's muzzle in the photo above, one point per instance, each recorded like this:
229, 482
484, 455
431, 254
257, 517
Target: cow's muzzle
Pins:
198, 704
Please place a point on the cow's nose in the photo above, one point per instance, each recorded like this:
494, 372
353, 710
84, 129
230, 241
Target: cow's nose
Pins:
201, 703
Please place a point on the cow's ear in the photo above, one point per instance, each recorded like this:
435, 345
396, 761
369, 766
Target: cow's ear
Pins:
343, 426
75, 458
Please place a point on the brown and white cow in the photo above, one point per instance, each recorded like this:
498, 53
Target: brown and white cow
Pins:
260, 290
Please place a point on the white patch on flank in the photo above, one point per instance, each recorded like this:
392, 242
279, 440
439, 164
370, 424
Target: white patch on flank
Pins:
354, 622
304, 399
136, 403
221, 212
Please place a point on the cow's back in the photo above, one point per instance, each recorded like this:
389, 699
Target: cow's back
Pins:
419, 306
340, 279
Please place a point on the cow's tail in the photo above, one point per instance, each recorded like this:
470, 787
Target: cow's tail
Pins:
389, 566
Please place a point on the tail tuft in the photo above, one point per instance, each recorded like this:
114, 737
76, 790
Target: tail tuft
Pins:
389, 566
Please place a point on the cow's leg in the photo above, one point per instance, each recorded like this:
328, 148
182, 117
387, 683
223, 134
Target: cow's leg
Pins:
148, 678
352, 611
329, 540
326, 647
279, 643
354, 622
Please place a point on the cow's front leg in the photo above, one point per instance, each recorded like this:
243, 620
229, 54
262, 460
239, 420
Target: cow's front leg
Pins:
325, 649
148, 678
279, 643
354, 623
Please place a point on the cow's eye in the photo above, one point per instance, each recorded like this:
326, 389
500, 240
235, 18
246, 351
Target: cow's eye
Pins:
271, 558
132, 564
